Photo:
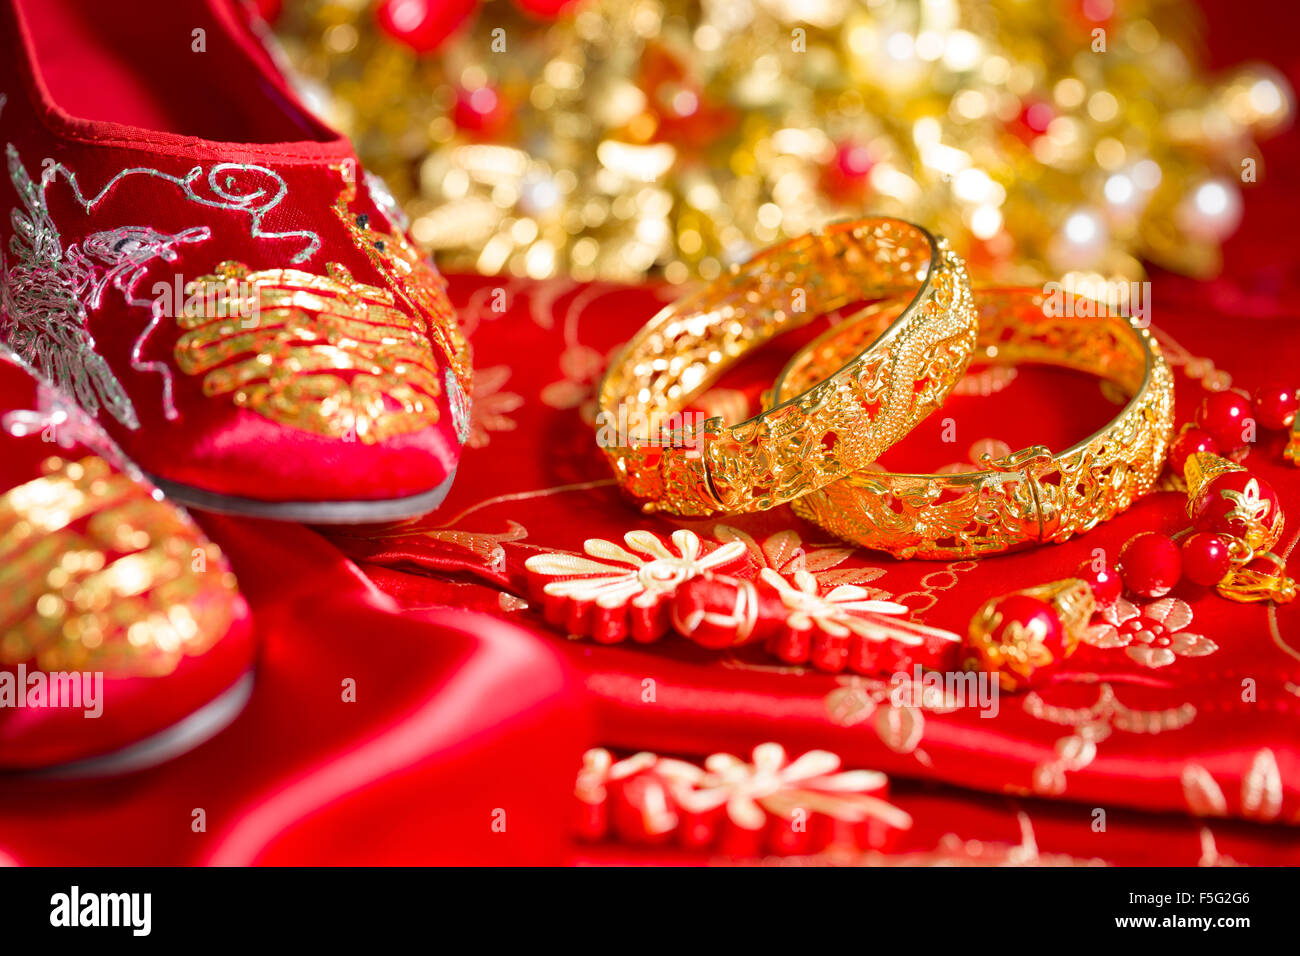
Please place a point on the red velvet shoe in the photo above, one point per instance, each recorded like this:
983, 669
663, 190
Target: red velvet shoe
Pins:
205, 269
122, 631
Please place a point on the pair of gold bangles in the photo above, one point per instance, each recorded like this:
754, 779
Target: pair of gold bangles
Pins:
864, 384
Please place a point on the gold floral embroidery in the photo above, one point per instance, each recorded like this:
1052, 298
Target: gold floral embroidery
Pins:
748, 795
97, 574
623, 577
847, 609
1092, 725
485, 548
326, 354
785, 553
1261, 790
492, 406
1153, 635
582, 367
900, 727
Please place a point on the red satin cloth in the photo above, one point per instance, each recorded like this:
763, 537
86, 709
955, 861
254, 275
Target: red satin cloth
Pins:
472, 711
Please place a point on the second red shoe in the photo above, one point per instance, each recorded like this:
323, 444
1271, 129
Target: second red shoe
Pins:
123, 635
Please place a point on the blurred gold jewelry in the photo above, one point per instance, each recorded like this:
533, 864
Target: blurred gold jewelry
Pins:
1031, 496
830, 427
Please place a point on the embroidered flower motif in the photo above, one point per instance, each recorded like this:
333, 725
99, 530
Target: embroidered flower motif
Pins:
624, 591
841, 611
491, 408
1154, 636
845, 627
785, 553
1262, 791
898, 707
771, 803
581, 367
1091, 726
773, 783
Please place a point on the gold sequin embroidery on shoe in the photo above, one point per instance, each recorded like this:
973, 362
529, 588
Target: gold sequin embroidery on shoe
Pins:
420, 286
326, 354
96, 574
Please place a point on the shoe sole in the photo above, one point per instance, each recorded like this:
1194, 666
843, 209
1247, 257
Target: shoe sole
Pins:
164, 745
308, 512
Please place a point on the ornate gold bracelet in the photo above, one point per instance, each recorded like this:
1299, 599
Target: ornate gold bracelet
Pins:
823, 431
1031, 496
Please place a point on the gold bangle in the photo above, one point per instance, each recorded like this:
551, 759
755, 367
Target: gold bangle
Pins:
1031, 496
826, 431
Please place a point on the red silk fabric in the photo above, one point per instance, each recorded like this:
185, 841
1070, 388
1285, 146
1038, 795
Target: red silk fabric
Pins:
472, 712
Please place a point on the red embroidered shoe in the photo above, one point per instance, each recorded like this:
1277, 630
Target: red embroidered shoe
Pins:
120, 623
205, 270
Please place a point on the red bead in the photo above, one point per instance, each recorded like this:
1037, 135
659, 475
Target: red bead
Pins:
1033, 121
1105, 584
479, 111
853, 160
1231, 504
1224, 416
1151, 564
830, 652
791, 645
1030, 613
848, 174
423, 25
1276, 404
1206, 559
1187, 444
1020, 643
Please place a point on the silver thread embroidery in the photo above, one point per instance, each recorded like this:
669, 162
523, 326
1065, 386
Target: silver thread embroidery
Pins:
129, 250
44, 318
222, 181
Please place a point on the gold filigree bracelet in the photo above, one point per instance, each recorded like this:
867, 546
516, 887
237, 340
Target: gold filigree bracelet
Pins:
822, 432
1031, 496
